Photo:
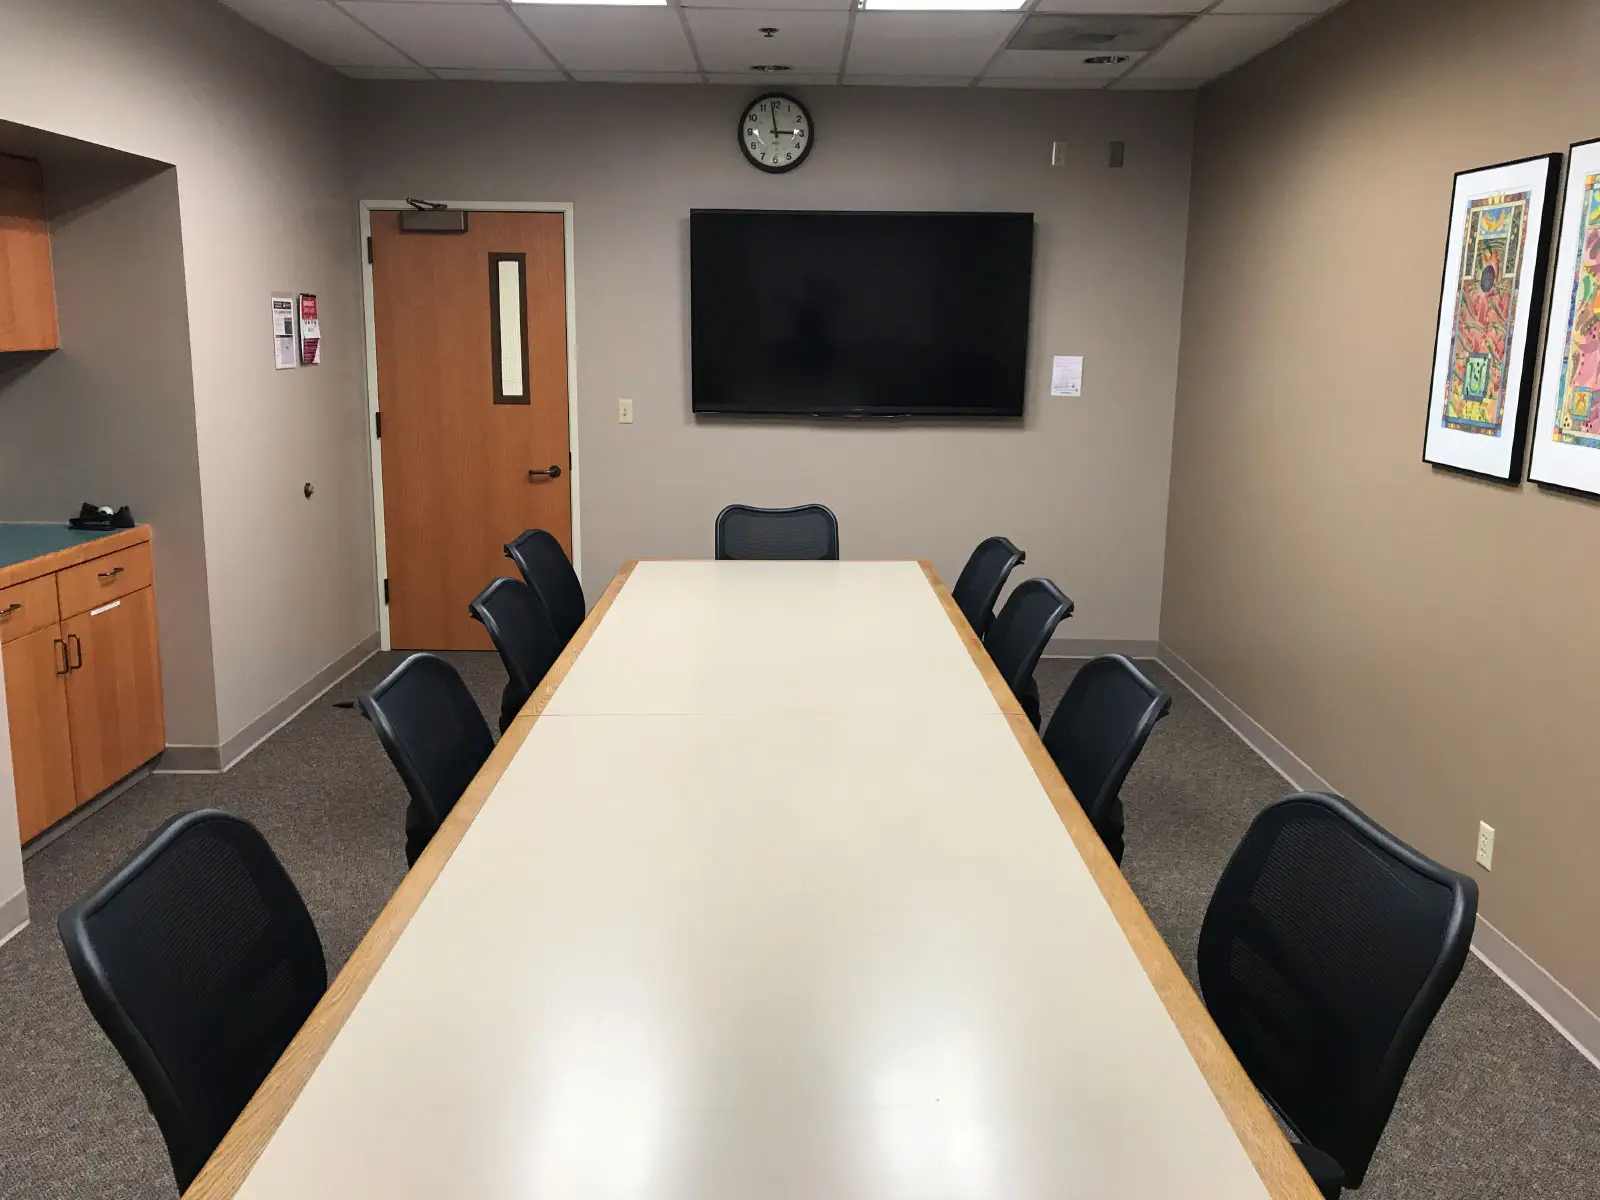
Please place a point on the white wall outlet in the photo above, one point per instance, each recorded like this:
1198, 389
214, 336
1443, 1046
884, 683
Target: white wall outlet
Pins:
1486, 846
625, 412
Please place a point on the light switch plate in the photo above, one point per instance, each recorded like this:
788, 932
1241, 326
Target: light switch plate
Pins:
625, 412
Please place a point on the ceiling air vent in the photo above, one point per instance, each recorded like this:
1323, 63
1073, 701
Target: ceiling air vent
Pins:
1096, 35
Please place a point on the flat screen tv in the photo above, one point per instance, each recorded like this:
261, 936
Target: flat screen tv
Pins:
859, 314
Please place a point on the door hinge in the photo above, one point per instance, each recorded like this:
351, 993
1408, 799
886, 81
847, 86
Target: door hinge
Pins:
377, 425
386, 589
369, 252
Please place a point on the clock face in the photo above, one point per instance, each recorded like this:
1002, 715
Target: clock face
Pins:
775, 133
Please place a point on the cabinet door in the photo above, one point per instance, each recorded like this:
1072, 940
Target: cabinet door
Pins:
41, 754
113, 691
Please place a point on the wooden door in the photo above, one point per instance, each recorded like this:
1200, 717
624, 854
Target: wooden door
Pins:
41, 752
465, 418
113, 691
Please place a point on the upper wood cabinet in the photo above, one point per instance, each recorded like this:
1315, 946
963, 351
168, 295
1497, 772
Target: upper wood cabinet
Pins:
27, 285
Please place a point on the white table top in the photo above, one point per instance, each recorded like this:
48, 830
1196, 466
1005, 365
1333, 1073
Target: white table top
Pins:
811, 949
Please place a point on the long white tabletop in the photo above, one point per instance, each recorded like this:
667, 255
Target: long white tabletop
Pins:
759, 905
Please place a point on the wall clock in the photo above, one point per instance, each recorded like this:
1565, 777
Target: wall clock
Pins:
775, 133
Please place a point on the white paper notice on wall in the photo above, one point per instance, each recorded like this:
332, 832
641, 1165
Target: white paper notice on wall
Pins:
283, 351
1066, 375
310, 331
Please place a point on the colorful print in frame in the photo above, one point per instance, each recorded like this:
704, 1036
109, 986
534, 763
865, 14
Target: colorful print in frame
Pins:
1566, 447
1495, 264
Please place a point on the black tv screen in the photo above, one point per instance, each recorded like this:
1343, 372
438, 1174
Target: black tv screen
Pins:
859, 314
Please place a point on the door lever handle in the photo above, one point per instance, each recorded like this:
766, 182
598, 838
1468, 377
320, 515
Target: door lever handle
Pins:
551, 472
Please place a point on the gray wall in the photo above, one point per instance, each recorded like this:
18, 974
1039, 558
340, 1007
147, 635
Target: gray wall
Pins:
110, 416
1081, 484
253, 129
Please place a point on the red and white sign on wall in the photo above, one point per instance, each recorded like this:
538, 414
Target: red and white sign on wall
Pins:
310, 331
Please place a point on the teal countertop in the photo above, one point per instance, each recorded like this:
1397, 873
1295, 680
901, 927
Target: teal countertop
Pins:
22, 540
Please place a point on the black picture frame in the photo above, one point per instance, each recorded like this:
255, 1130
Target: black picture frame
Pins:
1545, 170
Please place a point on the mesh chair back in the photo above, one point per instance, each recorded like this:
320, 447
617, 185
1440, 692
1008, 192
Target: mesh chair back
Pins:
199, 960
546, 568
1325, 953
810, 531
1096, 733
978, 586
1023, 628
521, 631
434, 734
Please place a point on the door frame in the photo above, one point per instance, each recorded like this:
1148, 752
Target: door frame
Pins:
380, 539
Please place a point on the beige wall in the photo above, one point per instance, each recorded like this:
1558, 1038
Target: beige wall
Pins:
254, 131
110, 416
1418, 638
1081, 484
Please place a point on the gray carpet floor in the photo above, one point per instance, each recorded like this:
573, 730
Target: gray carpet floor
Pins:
1496, 1105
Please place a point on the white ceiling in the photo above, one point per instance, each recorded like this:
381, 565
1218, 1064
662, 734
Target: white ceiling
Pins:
719, 41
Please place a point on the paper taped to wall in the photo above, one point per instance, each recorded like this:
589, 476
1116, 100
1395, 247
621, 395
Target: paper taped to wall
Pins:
1066, 375
283, 353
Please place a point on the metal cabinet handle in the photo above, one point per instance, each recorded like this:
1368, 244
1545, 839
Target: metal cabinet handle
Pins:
65, 666
76, 644
550, 472
111, 574
10, 608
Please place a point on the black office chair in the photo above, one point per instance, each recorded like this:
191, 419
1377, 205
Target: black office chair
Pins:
980, 581
1325, 953
1019, 634
1096, 734
198, 959
809, 531
546, 568
521, 631
434, 734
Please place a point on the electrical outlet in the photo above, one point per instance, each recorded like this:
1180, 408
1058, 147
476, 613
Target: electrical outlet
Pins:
625, 412
1486, 846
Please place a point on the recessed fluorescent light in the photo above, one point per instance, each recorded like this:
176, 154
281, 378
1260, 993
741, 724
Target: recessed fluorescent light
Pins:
942, 5
596, 3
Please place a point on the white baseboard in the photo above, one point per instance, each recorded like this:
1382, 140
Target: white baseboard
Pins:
13, 916
1568, 1015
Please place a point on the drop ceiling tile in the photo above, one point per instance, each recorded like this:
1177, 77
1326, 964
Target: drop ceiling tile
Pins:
843, 6
926, 43
1277, 6
444, 1
1075, 85
1144, 8
385, 72
321, 30
1058, 64
776, 83
926, 81
730, 39
500, 76
451, 34
636, 76
590, 37
1213, 46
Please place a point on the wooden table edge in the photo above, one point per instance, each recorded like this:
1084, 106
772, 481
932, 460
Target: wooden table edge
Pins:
70, 556
236, 1155
1263, 1140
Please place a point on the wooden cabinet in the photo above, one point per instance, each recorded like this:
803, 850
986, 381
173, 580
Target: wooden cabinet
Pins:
41, 747
82, 676
113, 691
27, 284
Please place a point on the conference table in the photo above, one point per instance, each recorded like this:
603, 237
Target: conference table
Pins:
770, 892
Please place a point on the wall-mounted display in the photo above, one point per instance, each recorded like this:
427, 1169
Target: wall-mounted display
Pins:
1566, 432
1495, 265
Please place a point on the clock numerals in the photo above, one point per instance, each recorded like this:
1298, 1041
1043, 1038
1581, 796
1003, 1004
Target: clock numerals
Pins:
775, 133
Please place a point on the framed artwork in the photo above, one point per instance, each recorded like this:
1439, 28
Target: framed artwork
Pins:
1566, 431
1495, 264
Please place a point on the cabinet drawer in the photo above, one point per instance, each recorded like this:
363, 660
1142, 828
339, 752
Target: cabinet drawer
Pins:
102, 580
27, 607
